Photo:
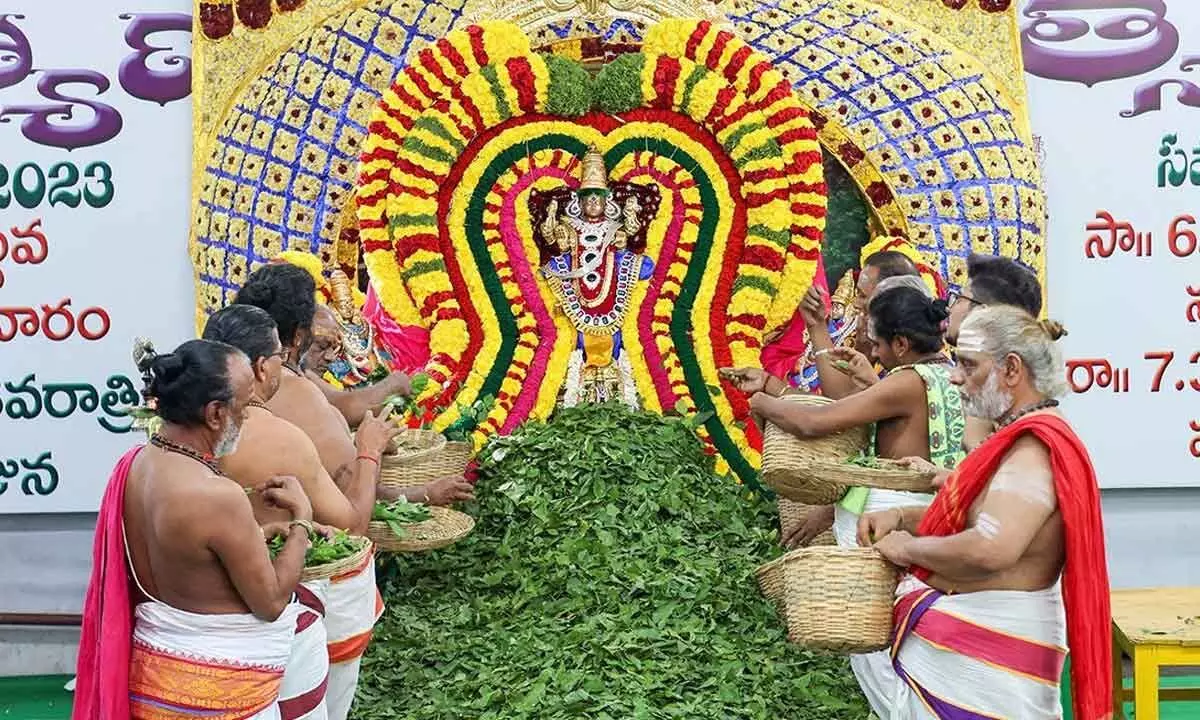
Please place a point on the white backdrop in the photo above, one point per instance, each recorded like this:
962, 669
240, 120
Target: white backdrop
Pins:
1102, 156
127, 257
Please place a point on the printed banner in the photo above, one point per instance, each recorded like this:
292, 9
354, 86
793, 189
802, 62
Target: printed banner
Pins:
1115, 97
95, 151
94, 165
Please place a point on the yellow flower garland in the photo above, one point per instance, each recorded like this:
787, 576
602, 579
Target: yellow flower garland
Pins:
782, 207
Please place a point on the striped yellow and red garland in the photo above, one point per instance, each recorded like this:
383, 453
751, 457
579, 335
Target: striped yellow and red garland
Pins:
478, 121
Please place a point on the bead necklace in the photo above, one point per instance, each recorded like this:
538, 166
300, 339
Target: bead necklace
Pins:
1014, 415
204, 459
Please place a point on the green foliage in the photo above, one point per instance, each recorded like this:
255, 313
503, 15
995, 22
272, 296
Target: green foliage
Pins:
380, 373
320, 550
398, 513
846, 229
618, 85
570, 90
769, 149
609, 576
399, 404
864, 461
469, 418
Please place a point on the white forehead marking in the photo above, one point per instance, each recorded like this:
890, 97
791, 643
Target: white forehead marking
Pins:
972, 341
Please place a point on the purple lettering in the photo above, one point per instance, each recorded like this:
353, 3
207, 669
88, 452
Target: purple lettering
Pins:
153, 84
1094, 66
105, 124
16, 57
1148, 97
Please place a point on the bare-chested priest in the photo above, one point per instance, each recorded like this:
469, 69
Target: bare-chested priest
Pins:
272, 446
286, 293
1006, 569
206, 624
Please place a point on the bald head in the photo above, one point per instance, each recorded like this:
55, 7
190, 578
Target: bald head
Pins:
327, 341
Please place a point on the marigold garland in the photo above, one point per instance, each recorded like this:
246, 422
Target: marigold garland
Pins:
466, 131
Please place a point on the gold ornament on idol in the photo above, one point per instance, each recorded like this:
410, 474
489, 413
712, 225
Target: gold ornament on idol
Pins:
595, 176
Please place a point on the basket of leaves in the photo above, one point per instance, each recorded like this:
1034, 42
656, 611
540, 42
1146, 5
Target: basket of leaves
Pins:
441, 528
450, 460
390, 522
881, 473
788, 462
327, 557
835, 599
792, 515
412, 447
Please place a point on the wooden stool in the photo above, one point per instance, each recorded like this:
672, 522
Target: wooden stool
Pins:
1155, 628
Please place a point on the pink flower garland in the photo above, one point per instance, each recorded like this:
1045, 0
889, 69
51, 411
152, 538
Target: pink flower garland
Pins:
524, 274
655, 361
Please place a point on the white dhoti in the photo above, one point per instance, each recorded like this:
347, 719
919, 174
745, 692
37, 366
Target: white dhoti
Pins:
215, 667
305, 682
352, 607
994, 654
874, 671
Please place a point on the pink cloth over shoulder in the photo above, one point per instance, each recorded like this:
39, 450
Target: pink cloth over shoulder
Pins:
408, 345
102, 672
782, 357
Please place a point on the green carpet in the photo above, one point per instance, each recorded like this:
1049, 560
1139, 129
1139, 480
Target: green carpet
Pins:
35, 698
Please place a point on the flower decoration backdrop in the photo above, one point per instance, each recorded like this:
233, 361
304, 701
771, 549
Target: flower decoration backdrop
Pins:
479, 120
443, 128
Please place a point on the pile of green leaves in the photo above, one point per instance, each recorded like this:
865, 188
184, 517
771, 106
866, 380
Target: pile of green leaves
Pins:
399, 513
609, 576
321, 551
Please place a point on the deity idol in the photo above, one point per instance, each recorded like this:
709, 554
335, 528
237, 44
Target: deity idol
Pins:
843, 324
361, 359
592, 241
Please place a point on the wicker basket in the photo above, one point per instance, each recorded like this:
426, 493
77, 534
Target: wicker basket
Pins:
787, 461
770, 580
887, 476
792, 515
448, 461
444, 527
838, 599
337, 567
413, 447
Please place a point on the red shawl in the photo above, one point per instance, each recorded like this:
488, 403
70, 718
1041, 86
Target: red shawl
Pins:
1085, 575
102, 672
